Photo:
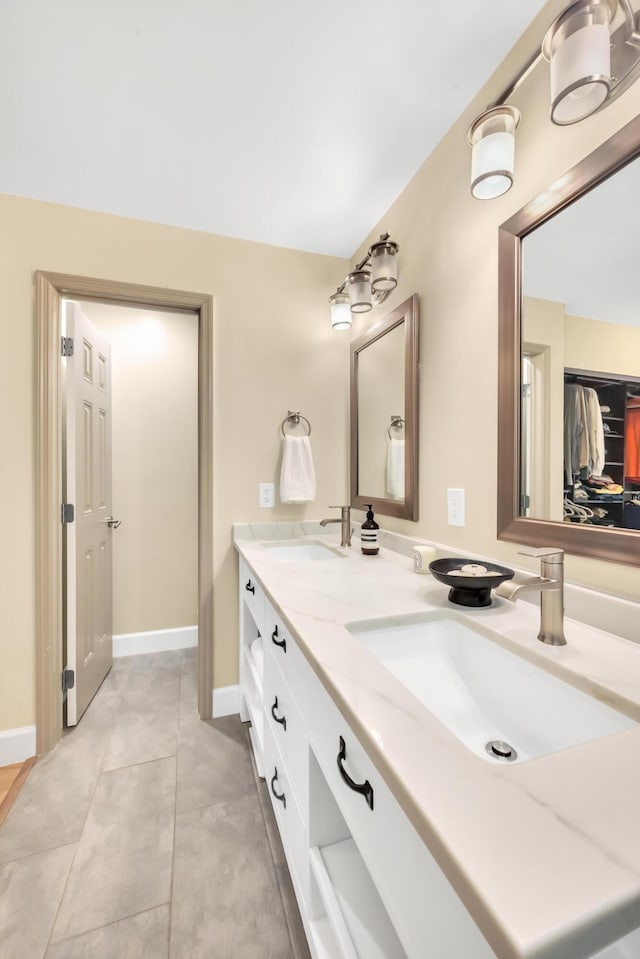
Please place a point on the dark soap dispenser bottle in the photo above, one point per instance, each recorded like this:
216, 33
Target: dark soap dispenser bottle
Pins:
369, 535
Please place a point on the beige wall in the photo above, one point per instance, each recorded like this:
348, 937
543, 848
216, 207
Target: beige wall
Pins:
273, 350
449, 256
154, 359
601, 346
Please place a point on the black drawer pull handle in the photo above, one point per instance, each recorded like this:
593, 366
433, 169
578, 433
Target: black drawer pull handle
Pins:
279, 719
278, 642
365, 788
249, 588
280, 796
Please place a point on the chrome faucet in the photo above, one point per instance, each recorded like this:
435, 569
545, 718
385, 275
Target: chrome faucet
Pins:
345, 521
551, 586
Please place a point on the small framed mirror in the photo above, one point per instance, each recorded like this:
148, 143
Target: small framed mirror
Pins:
569, 361
384, 414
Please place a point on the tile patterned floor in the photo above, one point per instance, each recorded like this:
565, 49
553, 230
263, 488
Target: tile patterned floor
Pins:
142, 835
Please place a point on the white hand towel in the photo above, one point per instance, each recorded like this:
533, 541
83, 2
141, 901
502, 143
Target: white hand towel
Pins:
297, 476
395, 469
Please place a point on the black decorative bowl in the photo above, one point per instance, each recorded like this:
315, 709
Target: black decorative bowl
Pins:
469, 590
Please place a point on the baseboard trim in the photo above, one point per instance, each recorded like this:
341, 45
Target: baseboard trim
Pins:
226, 701
16, 745
155, 641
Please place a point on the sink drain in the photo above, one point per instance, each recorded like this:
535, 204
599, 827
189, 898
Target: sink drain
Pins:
501, 750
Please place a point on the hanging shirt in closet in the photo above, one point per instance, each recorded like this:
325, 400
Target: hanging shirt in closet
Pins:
595, 431
576, 445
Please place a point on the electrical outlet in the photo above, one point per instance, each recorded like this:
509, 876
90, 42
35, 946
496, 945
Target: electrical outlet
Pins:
266, 495
455, 507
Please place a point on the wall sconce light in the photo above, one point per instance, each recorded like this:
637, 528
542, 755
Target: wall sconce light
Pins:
360, 291
340, 311
384, 265
367, 285
578, 48
593, 49
492, 140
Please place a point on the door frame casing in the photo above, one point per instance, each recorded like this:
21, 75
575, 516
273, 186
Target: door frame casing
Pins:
50, 289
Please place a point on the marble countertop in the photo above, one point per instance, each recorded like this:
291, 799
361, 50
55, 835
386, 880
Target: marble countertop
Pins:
545, 854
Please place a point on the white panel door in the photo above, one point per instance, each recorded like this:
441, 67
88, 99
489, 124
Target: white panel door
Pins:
88, 539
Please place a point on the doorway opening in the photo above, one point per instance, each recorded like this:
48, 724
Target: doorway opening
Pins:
51, 290
534, 432
130, 473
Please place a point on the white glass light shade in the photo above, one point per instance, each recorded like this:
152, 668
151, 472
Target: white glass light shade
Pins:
580, 73
340, 311
492, 140
384, 266
360, 291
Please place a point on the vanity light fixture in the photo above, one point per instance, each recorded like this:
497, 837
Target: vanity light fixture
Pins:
384, 265
593, 49
340, 311
360, 291
578, 48
367, 285
492, 140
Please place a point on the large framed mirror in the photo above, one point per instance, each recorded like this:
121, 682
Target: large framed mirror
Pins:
384, 414
569, 361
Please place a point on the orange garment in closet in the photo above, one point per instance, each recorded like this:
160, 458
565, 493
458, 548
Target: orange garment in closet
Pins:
632, 444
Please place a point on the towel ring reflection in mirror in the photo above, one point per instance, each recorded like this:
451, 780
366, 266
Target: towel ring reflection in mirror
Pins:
293, 417
397, 423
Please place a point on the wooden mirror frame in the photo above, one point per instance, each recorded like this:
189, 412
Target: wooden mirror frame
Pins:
610, 544
409, 314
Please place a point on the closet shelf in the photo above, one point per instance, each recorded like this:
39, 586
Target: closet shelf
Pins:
602, 500
613, 391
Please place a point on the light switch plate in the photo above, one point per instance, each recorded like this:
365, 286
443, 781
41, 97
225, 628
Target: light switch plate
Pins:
266, 495
455, 507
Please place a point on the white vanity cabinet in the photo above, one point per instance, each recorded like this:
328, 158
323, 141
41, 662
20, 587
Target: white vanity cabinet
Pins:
366, 884
251, 658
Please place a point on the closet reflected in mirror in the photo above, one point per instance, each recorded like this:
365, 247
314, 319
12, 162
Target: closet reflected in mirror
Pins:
580, 341
384, 414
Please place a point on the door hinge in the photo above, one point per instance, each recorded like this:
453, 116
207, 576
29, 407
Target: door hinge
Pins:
68, 513
66, 346
68, 679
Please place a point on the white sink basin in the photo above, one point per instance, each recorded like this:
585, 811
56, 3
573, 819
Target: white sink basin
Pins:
484, 693
289, 551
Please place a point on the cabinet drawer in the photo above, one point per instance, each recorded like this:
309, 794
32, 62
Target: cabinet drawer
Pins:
287, 728
290, 823
281, 645
252, 595
422, 904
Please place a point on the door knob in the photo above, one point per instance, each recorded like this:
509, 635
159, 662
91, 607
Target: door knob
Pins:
114, 523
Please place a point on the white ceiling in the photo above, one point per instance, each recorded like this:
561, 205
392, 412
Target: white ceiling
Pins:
587, 256
290, 122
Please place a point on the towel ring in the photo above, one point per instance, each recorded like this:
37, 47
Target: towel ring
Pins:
294, 416
396, 423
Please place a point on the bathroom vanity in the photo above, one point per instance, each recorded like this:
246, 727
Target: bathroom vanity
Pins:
403, 838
